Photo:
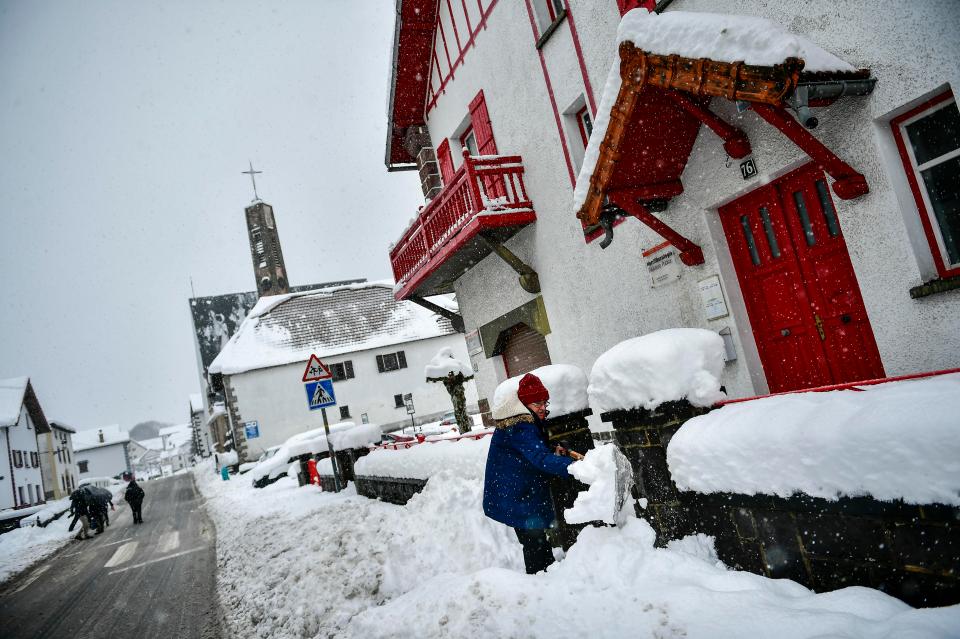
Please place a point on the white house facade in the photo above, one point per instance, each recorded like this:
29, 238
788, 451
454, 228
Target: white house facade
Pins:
57, 460
102, 452
21, 419
375, 347
819, 260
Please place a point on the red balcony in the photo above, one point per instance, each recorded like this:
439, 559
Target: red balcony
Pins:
485, 202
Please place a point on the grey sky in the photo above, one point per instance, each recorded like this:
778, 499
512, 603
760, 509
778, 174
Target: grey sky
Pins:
125, 127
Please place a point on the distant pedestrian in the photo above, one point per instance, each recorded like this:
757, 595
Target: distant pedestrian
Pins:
516, 488
80, 510
134, 496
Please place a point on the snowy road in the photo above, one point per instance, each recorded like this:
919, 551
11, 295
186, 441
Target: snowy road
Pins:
152, 580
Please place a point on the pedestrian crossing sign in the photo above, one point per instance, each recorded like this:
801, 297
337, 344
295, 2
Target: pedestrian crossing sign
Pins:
320, 394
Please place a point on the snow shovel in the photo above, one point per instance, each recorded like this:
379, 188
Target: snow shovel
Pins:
624, 488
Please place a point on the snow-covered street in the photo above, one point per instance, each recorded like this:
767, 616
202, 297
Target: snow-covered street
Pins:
297, 562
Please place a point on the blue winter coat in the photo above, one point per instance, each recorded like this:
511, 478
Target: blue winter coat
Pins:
516, 489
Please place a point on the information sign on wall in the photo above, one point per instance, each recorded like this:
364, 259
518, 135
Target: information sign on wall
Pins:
663, 264
251, 429
474, 345
711, 294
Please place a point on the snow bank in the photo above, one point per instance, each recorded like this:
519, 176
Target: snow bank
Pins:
890, 441
342, 436
668, 365
444, 363
566, 384
465, 458
608, 498
22, 547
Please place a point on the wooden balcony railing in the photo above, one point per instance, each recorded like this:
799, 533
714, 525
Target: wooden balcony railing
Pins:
484, 185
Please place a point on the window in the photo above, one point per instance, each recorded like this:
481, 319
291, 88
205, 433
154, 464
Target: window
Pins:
23, 499
585, 125
82, 466
469, 141
391, 362
547, 13
342, 371
344, 412
928, 138
578, 126
18, 459
30, 493
398, 401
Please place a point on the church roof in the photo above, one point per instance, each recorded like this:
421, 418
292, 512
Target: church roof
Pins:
283, 329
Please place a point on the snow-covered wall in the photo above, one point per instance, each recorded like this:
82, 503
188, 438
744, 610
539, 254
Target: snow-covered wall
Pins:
275, 397
596, 298
103, 461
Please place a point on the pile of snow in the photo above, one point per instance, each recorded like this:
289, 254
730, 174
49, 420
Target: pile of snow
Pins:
228, 458
566, 384
46, 513
342, 436
462, 457
830, 444
22, 547
444, 363
668, 365
305, 563
720, 37
608, 498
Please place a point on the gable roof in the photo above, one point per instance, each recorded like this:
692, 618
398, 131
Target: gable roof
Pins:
15, 393
283, 329
87, 439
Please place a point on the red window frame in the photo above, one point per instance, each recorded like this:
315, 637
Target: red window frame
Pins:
910, 168
467, 134
584, 137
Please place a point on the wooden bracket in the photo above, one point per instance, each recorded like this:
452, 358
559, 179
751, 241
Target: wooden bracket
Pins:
690, 253
529, 280
848, 183
456, 320
735, 141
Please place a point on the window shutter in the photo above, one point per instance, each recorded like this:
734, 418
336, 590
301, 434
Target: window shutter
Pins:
445, 161
380, 363
627, 5
480, 119
348, 365
401, 359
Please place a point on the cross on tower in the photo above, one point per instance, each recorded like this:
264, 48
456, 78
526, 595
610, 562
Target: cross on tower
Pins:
253, 179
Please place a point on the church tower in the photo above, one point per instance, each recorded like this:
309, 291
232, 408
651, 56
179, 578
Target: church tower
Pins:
268, 267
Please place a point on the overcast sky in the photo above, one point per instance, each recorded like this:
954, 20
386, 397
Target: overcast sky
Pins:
124, 128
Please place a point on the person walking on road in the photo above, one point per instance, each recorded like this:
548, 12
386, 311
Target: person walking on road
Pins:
134, 496
516, 489
79, 510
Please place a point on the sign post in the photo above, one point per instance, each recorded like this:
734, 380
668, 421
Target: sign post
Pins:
408, 402
318, 383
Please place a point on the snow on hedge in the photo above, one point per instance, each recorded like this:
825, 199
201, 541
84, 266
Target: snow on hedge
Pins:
343, 436
668, 365
567, 385
463, 457
897, 440
304, 563
445, 362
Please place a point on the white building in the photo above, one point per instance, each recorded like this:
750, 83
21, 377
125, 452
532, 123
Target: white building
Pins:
57, 460
812, 280
102, 452
375, 347
21, 420
166, 454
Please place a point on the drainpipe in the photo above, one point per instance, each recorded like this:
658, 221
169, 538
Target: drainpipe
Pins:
804, 93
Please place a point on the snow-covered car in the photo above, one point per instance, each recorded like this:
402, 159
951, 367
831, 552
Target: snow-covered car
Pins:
313, 442
395, 438
267, 454
449, 419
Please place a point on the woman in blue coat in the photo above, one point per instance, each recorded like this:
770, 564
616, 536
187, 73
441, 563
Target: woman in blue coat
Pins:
516, 488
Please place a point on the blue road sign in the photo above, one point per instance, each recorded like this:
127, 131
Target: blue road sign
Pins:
252, 429
320, 394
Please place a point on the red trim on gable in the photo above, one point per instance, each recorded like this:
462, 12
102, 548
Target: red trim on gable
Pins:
942, 269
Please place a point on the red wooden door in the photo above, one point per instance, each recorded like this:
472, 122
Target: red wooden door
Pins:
798, 284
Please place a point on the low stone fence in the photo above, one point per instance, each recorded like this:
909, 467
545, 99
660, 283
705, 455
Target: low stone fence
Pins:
909, 551
394, 490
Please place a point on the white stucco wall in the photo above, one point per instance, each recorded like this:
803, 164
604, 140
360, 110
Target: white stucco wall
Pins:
275, 397
596, 298
21, 436
105, 461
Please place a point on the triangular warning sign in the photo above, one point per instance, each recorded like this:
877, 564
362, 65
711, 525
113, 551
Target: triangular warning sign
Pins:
320, 396
316, 370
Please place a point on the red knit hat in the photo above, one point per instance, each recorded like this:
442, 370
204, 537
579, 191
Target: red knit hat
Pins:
532, 390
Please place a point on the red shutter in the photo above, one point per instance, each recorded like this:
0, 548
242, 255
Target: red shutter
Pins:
480, 119
627, 5
445, 161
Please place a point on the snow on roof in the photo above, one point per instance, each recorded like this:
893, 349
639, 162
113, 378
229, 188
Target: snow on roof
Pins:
61, 426
719, 37
283, 329
445, 362
87, 439
828, 444
667, 365
218, 411
196, 403
11, 399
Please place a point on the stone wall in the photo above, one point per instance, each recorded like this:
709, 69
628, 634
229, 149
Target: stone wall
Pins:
909, 551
